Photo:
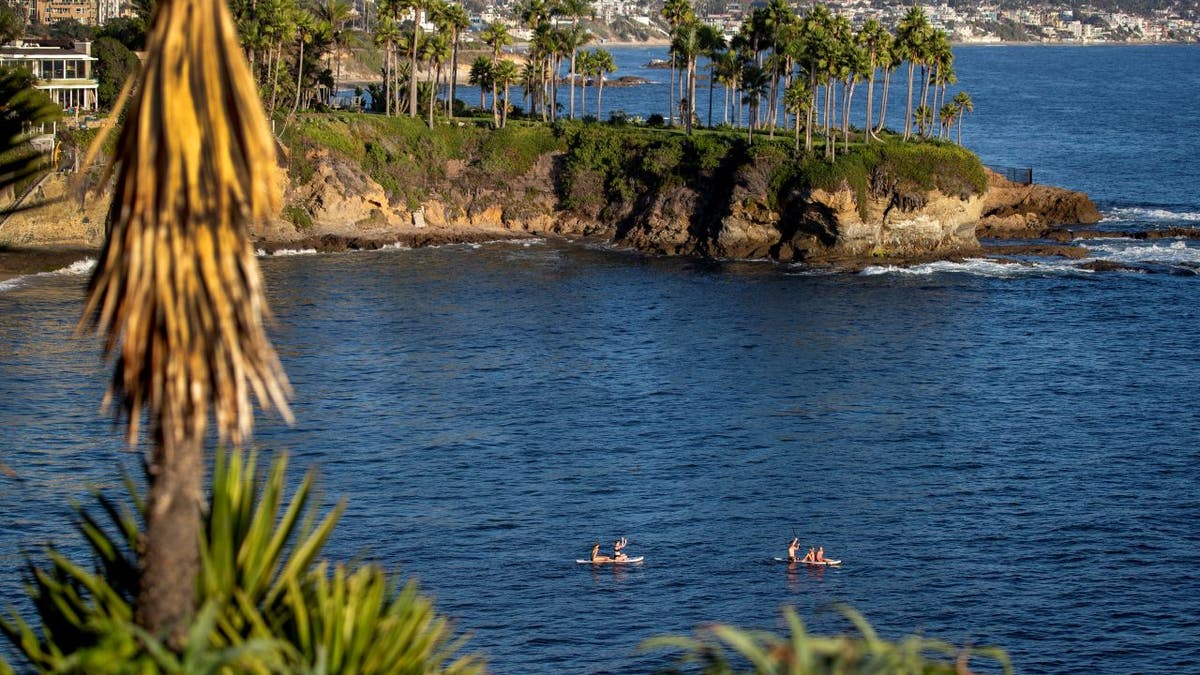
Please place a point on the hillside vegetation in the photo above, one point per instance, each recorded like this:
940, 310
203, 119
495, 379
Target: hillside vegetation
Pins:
604, 173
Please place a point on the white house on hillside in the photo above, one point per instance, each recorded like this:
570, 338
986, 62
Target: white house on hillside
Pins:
63, 69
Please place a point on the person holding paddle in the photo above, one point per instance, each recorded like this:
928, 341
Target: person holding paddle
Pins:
792, 548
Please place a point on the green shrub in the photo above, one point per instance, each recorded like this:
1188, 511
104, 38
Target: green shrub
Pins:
514, 149
766, 653
267, 605
297, 215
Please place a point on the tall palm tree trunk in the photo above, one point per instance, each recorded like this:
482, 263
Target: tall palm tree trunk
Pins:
599, 94
571, 106
671, 94
883, 99
868, 130
453, 76
849, 94
908, 109
299, 78
412, 76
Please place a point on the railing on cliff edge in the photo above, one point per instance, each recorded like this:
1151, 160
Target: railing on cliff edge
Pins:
1024, 175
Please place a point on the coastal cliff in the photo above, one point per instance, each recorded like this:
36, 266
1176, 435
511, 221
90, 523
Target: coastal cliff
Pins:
655, 191
359, 181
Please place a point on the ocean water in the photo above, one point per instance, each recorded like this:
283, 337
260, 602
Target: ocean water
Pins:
1001, 453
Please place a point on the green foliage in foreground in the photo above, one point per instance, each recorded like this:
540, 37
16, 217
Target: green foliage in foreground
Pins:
267, 605
23, 109
766, 653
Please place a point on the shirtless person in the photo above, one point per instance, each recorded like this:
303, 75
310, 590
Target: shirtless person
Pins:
820, 554
811, 556
792, 548
596, 557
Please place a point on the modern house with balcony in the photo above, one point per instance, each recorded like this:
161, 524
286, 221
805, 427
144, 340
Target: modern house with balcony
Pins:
63, 69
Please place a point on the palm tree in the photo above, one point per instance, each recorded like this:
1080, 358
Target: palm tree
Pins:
177, 291
336, 13
940, 58
585, 70
481, 76
946, 116
307, 27
575, 9
965, 105
496, 36
712, 44
535, 15
387, 34
452, 18
798, 99
602, 61
852, 67
685, 44
912, 36
506, 74
727, 68
418, 7
572, 39
923, 116
675, 13
876, 42
815, 51
774, 22
435, 50
754, 87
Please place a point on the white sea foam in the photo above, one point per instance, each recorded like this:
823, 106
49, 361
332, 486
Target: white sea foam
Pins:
1171, 253
1153, 215
284, 252
978, 267
77, 268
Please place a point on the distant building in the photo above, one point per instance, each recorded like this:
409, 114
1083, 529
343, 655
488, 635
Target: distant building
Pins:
47, 12
63, 69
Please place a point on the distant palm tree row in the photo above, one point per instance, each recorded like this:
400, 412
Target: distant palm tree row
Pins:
806, 66
814, 62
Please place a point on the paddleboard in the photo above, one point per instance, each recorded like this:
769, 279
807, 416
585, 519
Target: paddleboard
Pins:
626, 561
821, 563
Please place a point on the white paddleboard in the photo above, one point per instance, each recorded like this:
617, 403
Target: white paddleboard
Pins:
626, 561
820, 563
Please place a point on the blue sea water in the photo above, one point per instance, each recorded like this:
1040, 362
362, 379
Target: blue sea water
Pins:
1000, 454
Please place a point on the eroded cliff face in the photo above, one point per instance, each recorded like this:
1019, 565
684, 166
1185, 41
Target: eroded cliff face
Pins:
345, 208
735, 221
744, 221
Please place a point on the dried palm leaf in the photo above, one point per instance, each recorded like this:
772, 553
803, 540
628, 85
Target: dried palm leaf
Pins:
177, 285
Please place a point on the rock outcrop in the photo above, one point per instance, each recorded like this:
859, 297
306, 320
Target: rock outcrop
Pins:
343, 207
1018, 211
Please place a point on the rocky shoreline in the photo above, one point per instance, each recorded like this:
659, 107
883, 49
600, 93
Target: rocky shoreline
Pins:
350, 212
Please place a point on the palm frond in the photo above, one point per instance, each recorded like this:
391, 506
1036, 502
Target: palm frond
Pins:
177, 286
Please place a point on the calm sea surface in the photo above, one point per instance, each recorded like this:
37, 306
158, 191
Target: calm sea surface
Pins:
1000, 454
